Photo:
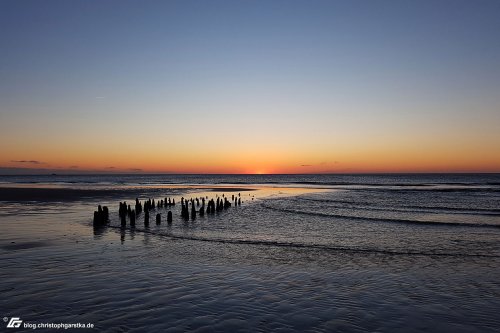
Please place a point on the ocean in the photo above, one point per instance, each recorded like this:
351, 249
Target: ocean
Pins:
302, 253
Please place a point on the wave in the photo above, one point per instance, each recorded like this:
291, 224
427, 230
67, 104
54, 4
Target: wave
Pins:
360, 184
435, 189
373, 219
367, 206
305, 245
427, 185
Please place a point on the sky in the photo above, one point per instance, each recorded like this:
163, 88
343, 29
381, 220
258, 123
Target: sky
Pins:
250, 86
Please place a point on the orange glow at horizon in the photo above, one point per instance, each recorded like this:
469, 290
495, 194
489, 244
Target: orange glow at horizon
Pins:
276, 146
368, 160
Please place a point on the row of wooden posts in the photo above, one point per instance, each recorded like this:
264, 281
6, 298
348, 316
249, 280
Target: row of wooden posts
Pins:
101, 216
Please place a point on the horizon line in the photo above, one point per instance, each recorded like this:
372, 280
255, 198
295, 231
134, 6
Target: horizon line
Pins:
91, 173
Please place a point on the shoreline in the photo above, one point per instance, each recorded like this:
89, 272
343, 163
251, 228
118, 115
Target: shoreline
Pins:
19, 194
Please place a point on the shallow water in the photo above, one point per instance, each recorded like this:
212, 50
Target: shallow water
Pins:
348, 257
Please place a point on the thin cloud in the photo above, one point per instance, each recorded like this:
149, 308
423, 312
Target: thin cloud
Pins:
27, 161
110, 168
323, 164
74, 167
135, 169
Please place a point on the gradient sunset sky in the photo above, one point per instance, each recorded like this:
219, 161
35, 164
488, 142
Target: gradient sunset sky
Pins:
250, 86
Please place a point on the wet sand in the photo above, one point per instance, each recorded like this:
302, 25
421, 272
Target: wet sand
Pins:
126, 281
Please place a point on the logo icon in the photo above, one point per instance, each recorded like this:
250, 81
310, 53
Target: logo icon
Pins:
14, 322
